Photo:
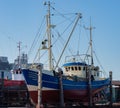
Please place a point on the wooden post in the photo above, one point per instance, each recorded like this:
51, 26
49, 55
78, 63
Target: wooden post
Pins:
89, 88
39, 105
2, 86
110, 75
2, 77
61, 88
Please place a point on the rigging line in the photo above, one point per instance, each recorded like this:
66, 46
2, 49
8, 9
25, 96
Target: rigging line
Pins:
39, 50
38, 53
79, 40
62, 41
54, 58
40, 56
62, 22
62, 14
86, 32
70, 51
66, 14
68, 26
62, 33
79, 25
95, 55
36, 37
100, 64
74, 26
87, 53
36, 41
88, 40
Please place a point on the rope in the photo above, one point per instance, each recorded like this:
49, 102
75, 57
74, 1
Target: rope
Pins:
36, 38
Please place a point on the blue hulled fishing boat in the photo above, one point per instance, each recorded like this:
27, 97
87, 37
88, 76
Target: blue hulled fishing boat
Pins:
79, 78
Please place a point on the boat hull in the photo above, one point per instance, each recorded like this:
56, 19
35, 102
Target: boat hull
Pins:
12, 83
53, 96
72, 90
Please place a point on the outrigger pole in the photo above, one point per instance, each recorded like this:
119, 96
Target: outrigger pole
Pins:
78, 17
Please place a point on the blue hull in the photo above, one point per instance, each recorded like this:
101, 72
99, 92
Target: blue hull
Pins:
73, 90
49, 81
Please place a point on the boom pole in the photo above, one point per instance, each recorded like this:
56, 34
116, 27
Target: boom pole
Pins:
78, 17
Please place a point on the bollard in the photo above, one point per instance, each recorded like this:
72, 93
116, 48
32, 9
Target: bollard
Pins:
39, 105
61, 88
110, 75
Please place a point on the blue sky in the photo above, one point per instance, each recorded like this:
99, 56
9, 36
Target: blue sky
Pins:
20, 20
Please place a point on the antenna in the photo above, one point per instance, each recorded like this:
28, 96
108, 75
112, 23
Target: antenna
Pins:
90, 29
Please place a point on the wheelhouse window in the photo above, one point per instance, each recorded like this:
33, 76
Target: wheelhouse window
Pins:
83, 68
79, 68
66, 69
76, 68
72, 68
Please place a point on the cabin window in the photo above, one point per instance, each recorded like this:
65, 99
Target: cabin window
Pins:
75, 68
79, 68
83, 68
66, 69
72, 68
20, 72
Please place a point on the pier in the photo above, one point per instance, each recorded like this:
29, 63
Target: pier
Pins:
14, 96
18, 96
103, 102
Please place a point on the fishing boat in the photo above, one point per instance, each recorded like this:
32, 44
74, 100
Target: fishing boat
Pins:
15, 78
13, 90
79, 78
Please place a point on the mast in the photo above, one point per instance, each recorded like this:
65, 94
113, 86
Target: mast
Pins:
92, 62
48, 18
19, 49
91, 46
90, 70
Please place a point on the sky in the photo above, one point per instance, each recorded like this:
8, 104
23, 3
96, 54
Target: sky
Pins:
20, 20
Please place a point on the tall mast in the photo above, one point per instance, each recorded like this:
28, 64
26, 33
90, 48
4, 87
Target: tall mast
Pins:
92, 63
19, 49
48, 16
91, 44
91, 47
